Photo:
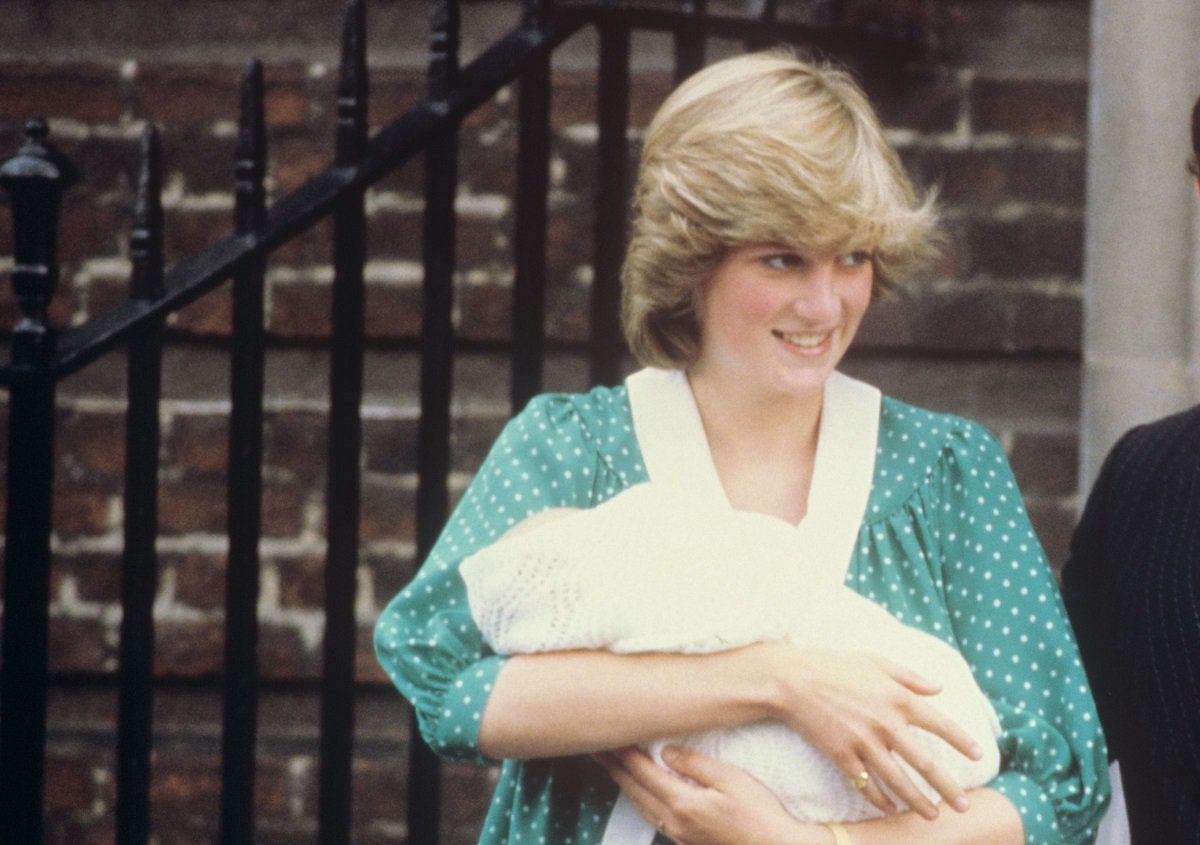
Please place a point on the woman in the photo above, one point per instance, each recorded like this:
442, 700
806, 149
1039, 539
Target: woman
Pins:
769, 211
1131, 588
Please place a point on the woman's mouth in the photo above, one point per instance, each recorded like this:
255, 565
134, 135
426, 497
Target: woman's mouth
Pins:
805, 340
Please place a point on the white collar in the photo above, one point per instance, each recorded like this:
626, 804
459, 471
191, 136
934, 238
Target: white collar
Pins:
675, 449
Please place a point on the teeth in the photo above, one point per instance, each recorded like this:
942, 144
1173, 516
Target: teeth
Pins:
808, 341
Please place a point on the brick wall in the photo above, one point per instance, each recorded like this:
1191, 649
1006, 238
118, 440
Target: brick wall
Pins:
996, 118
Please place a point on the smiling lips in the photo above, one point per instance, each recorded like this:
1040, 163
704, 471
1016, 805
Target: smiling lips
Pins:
804, 341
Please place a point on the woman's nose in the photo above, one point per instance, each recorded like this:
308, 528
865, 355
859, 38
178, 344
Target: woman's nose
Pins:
817, 299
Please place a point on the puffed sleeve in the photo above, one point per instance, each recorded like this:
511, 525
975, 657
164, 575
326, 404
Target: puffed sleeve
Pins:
425, 639
1012, 629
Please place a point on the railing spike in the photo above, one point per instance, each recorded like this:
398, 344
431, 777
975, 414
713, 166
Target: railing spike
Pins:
445, 24
352, 86
35, 178
146, 241
250, 157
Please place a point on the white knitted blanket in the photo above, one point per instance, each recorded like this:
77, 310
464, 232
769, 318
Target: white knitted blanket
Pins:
660, 569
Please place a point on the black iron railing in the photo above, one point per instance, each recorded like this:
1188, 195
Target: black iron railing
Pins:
35, 179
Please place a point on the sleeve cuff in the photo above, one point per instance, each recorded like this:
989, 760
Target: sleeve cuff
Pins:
454, 733
1033, 805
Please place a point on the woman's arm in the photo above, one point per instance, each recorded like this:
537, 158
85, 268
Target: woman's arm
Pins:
717, 804
855, 708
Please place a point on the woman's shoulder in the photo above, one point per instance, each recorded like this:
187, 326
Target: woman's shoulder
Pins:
917, 445
601, 412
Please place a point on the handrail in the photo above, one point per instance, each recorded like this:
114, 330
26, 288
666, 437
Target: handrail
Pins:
404, 137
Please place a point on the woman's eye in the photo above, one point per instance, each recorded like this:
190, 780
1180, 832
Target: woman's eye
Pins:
855, 259
783, 261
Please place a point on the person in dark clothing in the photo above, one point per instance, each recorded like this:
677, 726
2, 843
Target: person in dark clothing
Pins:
1132, 588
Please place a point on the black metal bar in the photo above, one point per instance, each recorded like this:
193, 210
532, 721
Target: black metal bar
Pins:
529, 286
140, 560
406, 136
437, 361
606, 346
345, 441
35, 179
244, 491
390, 146
690, 40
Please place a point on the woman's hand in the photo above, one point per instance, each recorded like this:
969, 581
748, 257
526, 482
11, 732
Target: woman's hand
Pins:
704, 801
857, 709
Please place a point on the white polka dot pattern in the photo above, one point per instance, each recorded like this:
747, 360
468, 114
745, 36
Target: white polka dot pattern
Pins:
946, 546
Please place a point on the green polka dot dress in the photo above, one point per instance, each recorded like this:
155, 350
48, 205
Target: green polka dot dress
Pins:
945, 546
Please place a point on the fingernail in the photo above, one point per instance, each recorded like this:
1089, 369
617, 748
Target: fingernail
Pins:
962, 804
976, 752
931, 813
670, 754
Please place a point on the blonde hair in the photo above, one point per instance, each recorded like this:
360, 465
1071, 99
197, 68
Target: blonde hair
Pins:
759, 149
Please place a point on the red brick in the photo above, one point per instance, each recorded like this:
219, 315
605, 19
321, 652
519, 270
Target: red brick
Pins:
272, 787
204, 161
1038, 108
299, 309
187, 95
188, 648
394, 90
1035, 245
282, 654
282, 510
93, 442
387, 514
302, 583
209, 316
486, 311
89, 91
366, 666
188, 231
185, 783
295, 443
1045, 464
191, 506
293, 161
488, 164
97, 576
86, 231
393, 312
83, 508
200, 581
380, 787
79, 645
922, 100
70, 783
199, 444
1053, 521
395, 234
466, 791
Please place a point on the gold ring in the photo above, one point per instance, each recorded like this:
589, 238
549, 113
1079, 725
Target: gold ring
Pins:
860, 780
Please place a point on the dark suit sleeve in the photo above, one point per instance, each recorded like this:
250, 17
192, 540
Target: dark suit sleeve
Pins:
1087, 592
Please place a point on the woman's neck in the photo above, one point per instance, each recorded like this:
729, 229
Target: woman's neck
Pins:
763, 447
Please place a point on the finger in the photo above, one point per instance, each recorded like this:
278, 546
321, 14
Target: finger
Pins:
859, 777
892, 776
693, 765
936, 722
914, 753
907, 676
625, 771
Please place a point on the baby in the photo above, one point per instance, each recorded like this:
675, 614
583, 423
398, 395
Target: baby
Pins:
658, 569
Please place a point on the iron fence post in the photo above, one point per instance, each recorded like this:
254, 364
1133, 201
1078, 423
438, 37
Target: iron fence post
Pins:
35, 179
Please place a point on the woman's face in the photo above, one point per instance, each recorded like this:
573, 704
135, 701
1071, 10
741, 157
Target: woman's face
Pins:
777, 321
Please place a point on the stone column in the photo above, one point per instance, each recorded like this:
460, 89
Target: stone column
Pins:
1141, 355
